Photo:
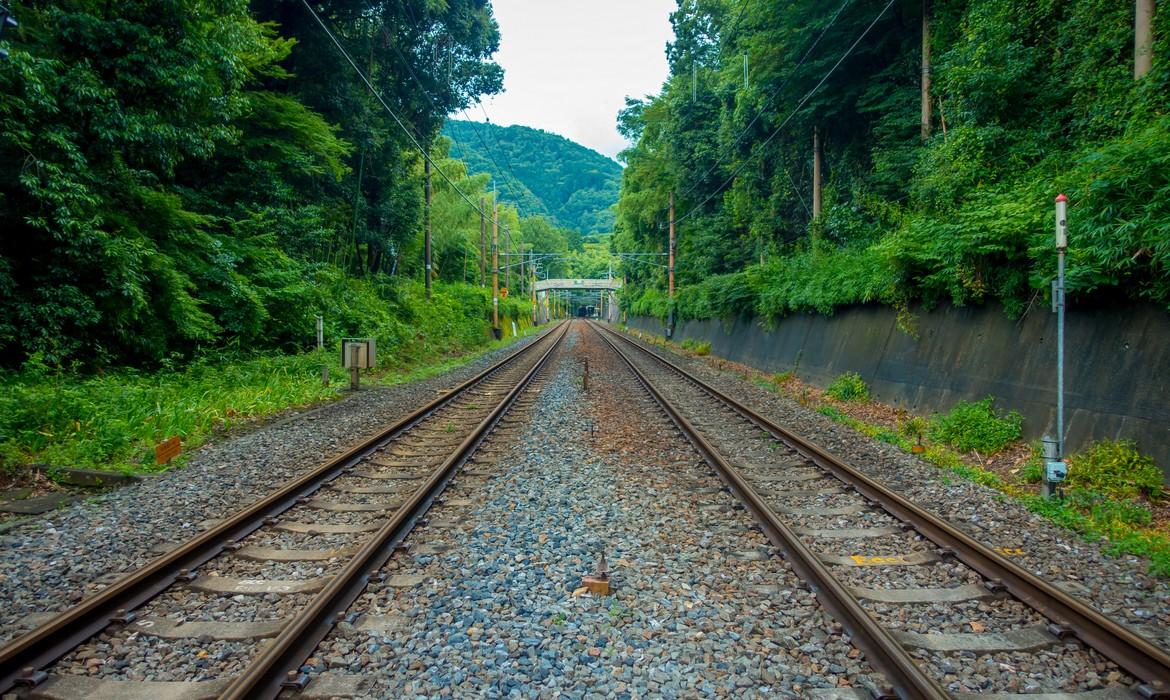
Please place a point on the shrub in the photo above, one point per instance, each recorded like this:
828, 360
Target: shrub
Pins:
1115, 468
848, 387
976, 425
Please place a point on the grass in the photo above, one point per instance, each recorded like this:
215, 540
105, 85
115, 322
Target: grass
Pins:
848, 387
113, 421
977, 425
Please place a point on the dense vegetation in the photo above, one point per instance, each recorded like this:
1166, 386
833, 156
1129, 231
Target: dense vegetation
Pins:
181, 177
1028, 100
545, 174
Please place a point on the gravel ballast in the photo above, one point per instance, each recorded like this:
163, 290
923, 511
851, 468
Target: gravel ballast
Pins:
502, 613
47, 563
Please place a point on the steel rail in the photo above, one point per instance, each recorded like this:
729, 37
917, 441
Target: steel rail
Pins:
1129, 650
276, 667
22, 657
879, 646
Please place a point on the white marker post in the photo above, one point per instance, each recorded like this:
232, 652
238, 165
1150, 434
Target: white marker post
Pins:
1054, 468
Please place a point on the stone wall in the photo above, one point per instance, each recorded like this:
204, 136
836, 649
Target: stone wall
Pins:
1117, 362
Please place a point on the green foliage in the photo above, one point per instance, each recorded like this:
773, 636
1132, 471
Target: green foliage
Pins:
543, 173
113, 420
699, 347
1037, 99
848, 387
976, 425
1116, 469
180, 177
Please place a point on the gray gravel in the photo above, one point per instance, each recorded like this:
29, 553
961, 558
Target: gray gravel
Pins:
500, 614
766, 461
1118, 585
46, 563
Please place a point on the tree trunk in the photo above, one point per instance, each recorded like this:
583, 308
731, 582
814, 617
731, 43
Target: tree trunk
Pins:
1143, 38
925, 69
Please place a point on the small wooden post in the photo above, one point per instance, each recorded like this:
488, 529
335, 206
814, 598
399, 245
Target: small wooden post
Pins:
355, 372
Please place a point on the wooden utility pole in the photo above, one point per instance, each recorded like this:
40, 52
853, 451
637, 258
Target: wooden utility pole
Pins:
1143, 38
670, 274
925, 69
816, 208
482, 243
508, 259
496, 270
427, 225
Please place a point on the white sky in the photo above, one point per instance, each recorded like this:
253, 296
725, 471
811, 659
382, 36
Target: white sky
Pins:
569, 64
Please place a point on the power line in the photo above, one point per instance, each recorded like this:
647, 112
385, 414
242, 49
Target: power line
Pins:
474, 126
767, 102
402, 125
791, 114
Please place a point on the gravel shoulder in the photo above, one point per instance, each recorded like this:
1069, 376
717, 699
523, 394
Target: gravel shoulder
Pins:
51, 562
1117, 585
701, 605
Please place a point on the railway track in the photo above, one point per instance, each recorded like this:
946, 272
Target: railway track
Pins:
873, 558
261, 588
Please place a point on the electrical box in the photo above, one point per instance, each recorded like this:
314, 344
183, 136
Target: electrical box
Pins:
359, 353
1055, 471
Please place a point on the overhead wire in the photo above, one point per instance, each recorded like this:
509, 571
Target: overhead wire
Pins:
474, 126
402, 125
768, 102
791, 114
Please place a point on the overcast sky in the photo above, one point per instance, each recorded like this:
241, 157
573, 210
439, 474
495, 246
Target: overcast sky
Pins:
569, 64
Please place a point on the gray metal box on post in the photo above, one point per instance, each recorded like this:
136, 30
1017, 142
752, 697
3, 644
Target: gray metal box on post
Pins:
358, 354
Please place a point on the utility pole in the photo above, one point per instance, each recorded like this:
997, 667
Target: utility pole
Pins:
508, 259
670, 274
482, 243
532, 284
925, 69
496, 271
427, 223
1143, 38
745, 71
816, 207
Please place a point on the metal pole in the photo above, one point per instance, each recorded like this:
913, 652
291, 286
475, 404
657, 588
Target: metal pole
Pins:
1054, 467
508, 259
427, 226
670, 275
532, 285
320, 332
1061, 245
496, 271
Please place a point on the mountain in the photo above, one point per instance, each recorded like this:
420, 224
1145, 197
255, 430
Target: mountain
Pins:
543, 173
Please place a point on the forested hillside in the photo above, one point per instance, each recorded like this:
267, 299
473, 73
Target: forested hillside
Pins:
1026, 100
178, 178
544, 173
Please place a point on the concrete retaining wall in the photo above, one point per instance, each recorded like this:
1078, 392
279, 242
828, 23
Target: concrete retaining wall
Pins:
1117, 371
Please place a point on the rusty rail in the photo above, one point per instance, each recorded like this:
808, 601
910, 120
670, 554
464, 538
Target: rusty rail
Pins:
22, 658
1130, 651
275, 668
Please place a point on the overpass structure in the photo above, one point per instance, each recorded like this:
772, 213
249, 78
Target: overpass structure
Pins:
566, 283
557, 298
